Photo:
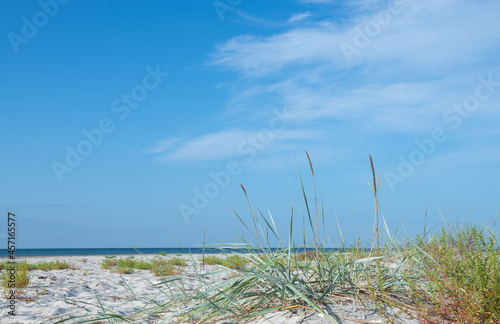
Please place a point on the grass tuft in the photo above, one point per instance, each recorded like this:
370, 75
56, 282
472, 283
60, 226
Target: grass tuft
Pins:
232, 262
157, 266
40, 265
15, 279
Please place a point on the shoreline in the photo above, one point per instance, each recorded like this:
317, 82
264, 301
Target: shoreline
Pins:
105, 251
183, 251
88, 256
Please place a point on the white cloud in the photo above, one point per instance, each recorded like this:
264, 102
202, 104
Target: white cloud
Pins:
244, 18
256, 57
162, 145
423, 35
208, 147
424, 58
227, 144
299, 17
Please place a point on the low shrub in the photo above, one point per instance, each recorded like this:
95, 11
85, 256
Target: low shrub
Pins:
462, 275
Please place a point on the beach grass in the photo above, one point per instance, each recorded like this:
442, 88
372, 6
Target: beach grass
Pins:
157, 266
15, 277
432, 278
231, 262
16, 280
21, 280
459, 272
177, 262
40, 265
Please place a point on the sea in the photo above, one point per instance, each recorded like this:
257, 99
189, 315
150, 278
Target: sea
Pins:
116, 251
104, 251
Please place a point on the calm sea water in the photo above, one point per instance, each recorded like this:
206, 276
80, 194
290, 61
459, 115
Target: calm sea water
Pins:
107, 251
102, 251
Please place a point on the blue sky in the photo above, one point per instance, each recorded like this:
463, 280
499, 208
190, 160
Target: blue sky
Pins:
130, 123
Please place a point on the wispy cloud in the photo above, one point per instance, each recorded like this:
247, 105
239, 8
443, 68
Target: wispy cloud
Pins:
424, 34
162, 145
299, 17
255, 56
208, 147
247, 19
411, 70
232, 143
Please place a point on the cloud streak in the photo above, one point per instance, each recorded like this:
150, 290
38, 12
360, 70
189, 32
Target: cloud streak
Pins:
231, 143
299, 17
424, 33
162, 145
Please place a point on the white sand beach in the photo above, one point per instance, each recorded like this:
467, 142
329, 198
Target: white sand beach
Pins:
78, 292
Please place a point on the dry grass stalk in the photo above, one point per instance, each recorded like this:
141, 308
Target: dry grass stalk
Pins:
253, 216
375, 192
315, 197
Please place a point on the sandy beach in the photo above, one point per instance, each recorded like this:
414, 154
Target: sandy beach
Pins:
78, 291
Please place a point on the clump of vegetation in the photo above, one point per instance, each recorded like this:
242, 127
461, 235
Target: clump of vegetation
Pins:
125, 266
157, 266
459, 274
232, 262
177, 262
162, 253
269, 279
109, 262
50, 265
166, 268
16, 280
40, 265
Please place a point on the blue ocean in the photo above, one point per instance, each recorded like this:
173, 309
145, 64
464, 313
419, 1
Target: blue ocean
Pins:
102, 251
115, 251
